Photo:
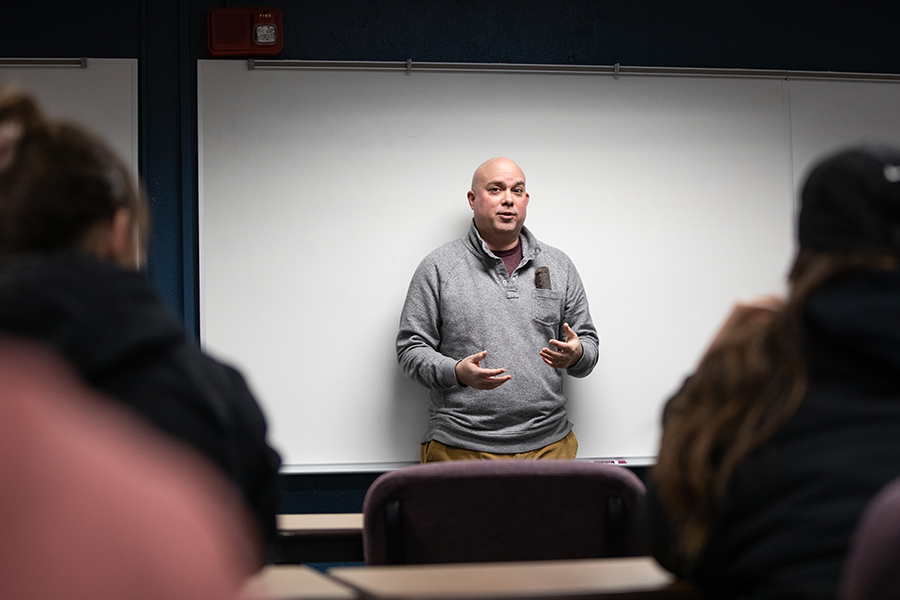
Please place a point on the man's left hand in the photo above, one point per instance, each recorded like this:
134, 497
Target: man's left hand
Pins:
566, 353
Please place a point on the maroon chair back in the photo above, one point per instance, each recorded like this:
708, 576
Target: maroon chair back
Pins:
872, 569
501, 510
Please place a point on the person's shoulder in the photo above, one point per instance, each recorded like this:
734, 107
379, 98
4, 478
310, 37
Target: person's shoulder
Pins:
74, 271
549, 253
445, 262
445, 254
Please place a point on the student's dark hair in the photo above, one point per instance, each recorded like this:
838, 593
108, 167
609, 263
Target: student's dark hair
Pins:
748, 384
57, 181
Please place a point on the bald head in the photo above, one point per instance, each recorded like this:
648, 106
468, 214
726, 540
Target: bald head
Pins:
488, 166
498, 201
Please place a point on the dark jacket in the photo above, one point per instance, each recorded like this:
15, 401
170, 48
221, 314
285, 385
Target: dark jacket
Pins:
109, 323
793, 504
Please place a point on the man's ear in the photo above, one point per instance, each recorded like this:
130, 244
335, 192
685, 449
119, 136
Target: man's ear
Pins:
10, 134
471, 196
122, 248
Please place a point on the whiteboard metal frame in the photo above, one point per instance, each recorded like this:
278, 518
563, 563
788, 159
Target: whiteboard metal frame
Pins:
615, 70
79, 63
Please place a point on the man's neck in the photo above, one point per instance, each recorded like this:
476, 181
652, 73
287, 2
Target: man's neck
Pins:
499, 245
502, 247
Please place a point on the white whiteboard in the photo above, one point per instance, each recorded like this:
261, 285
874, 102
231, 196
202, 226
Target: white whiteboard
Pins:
103, 96
321, 190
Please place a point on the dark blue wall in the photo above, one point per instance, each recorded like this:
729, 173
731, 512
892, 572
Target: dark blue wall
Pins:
168, 36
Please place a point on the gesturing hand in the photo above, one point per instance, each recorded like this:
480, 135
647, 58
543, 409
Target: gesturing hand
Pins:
567, 353
470, 373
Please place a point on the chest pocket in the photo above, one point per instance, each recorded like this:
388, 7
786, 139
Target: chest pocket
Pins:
547, 306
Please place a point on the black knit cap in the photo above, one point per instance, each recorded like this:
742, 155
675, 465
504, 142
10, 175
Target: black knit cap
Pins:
851, 201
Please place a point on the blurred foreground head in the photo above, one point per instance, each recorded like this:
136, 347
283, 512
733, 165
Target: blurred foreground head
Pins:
851, 202
96, 505
62, 188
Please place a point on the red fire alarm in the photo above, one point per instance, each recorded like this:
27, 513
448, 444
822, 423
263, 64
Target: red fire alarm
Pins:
245, 32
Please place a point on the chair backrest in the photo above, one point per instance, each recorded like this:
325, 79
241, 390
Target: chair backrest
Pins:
500, 510
872, 568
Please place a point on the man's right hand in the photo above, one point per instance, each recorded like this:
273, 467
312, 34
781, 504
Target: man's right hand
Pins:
470, 373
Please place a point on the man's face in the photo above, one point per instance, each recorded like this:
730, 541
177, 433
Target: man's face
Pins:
498, 200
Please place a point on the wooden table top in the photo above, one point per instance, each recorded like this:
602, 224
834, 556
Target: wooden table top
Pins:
588, 577
294, 582
320, 523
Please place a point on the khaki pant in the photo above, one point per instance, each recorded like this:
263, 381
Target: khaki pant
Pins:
434, 451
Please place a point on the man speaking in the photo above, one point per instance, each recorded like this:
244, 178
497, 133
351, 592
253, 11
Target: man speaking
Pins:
490, 324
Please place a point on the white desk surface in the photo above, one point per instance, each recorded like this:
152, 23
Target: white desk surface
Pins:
507, 580
294, 582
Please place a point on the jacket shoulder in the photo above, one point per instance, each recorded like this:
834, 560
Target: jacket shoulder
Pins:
446, 258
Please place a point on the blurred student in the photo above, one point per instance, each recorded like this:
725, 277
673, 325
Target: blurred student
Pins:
97, 505
73, 232
789, 426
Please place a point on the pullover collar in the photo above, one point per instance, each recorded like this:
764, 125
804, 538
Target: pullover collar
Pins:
531, 248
